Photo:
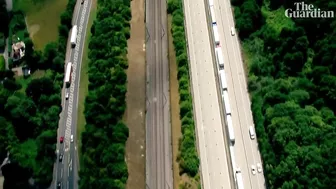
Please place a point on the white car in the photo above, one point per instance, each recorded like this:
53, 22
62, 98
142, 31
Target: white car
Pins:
259, 167
71, 138
66, 96
232, 31
253, 169
252, 133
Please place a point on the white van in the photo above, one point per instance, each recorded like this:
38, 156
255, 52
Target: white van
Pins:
252, 133
71, 138
232, 31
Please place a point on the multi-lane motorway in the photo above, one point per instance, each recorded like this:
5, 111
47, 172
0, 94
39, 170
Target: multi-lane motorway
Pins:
66, 171
212, 146
159, 173
212, 143
246, 150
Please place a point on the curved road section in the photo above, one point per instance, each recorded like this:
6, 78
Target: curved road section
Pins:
210, 134
66, 171
159, 173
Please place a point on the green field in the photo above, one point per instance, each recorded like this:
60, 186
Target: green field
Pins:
25, 81
43, 19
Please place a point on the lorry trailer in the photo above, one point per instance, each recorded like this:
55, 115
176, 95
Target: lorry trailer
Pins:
226, 103
73, 37
68, 73
230, 129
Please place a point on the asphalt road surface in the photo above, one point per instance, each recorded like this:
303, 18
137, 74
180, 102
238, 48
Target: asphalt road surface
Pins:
246, 150
158, 130
67, 169
212, 146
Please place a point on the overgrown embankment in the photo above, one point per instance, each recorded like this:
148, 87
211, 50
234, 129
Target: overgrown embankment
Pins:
188, 157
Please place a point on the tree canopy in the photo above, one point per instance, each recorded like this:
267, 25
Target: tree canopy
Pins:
291, 64
105, 135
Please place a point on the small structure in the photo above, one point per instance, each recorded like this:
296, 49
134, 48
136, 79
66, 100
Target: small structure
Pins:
18, 50
26, 71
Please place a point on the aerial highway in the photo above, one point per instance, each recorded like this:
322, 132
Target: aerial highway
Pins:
67, 165
159, 173
246, 149
212, 145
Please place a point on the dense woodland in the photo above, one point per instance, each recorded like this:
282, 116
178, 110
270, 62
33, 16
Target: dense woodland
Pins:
30, 107
103, 141
292, 67
188, 157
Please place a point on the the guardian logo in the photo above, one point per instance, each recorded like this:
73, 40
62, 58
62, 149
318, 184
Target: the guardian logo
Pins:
303, 10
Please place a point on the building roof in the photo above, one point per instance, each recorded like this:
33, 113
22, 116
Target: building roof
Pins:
17, 46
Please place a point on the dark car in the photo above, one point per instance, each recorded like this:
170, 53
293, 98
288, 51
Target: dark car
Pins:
82, 2
61, 139
59, 185
60, 157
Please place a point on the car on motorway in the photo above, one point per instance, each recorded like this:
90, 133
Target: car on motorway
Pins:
61, 139
71, 138
82, 1
259, 168
60, 157
232, 31
59, 185
253, 169
66, 96
252, 133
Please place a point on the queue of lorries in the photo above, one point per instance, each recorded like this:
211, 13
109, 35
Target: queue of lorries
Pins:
225, 97
68, 68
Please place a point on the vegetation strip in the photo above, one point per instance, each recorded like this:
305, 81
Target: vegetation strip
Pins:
188, 158
103, 141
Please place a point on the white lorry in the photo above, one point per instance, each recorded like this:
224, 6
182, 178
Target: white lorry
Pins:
219, 57
68, 73
73, 37
212, 14
239, 179
230, 128
222, 78
216, 35
226, 103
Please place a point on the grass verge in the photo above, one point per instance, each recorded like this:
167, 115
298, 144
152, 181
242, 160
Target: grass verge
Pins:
42, 18
25, 81
84, 80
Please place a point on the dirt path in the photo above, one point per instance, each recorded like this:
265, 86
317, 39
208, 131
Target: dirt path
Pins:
135, 99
